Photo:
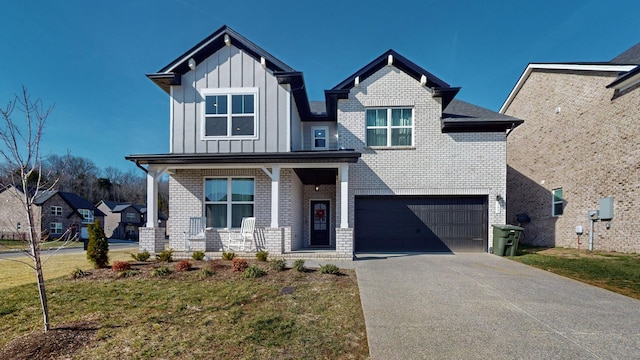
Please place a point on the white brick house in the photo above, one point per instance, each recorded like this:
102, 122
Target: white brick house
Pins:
389, 161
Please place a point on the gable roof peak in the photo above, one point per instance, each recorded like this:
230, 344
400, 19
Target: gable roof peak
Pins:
631, 56
392, 57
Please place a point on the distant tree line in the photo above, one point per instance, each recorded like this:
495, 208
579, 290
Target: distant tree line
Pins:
81, 176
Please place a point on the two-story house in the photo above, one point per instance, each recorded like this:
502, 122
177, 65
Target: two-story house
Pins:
580, 146
122, 220
56, 212
389, 161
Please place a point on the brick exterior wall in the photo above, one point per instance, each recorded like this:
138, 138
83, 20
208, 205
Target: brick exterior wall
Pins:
436, 164
581, 137
12, 213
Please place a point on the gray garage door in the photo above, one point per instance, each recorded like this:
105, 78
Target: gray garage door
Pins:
420, 224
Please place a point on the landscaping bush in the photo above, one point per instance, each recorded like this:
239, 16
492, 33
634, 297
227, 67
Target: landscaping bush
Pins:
98, 246
262, 255
141, 256
119, 266
161, 271
165, 256
299, 265
228, 255
329, 269
239, 265
79, 273
253, 272
204, 273
128, 273
278, 264
198, 255
183, 265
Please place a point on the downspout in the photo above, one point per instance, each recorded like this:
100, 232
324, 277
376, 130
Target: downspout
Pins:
140, 166
513, 126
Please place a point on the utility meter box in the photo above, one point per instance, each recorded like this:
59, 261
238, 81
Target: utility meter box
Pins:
606, 208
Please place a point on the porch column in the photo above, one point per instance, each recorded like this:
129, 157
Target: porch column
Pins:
344, 195
152, 196
275, 195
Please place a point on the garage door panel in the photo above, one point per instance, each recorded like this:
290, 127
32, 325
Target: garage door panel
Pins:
430, 224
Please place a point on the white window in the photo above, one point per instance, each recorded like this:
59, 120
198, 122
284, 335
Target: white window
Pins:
389, 127
56, 210
319, 138
131, 217
87, 216
227, 201
230, 113
55, 228
557, 202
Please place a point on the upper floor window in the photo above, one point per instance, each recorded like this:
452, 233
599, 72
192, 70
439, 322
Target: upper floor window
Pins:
227, 201
319, 138
56, 210
390, 127
131, 217
230, 112
557, 202
87, 216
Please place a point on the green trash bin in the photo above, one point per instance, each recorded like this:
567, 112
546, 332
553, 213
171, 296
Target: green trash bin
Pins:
505, 239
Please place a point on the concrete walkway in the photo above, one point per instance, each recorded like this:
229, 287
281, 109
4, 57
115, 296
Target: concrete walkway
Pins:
481, 306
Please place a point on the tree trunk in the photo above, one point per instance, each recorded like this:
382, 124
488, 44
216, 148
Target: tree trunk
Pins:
35, 252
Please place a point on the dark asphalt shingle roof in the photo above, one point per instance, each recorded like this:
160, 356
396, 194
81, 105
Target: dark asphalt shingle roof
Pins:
459, 109
630, 56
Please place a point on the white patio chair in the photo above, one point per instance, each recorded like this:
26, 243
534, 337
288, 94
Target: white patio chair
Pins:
238, 240
195, 232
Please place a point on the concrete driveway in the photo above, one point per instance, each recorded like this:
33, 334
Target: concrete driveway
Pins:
481, 306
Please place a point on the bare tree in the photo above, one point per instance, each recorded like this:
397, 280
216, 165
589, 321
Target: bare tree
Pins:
22, 153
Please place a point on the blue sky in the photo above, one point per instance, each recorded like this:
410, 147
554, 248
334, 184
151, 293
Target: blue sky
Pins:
89, 58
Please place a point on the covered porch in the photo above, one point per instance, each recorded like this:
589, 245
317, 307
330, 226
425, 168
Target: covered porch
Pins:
300, 201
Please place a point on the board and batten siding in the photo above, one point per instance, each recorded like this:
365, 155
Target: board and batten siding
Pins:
230, 67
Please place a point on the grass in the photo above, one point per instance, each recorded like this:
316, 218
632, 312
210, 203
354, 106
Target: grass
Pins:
13, 273
15, 245
185, 315
616, 272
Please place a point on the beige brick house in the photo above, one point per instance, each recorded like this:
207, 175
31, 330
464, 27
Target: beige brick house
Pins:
580, 143
389, 161
56, 212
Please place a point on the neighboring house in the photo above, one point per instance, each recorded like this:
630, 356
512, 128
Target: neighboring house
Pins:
122, 220
390, 161
55, 213
580, 143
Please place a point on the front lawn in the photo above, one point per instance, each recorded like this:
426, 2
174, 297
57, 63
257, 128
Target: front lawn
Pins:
613, 271
16, 245
211, 314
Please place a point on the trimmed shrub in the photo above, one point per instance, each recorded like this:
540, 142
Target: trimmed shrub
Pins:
183, 265
228, 255
239, 265
161, 271
262, 255
119, 266
198, 255
329, 269
253, 272
299, 265
141, 256
278, 264
98, 246
165, 256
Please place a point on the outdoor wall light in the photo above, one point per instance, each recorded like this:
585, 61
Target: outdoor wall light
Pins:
317, 187
498, 197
